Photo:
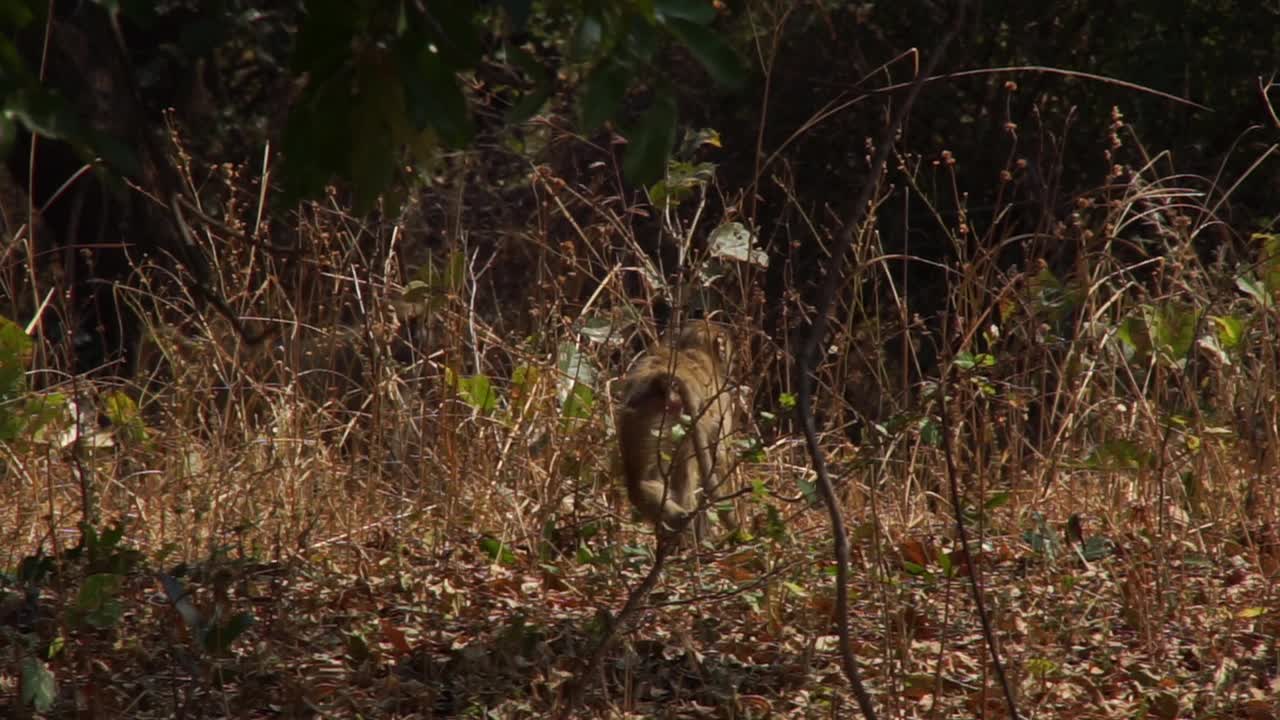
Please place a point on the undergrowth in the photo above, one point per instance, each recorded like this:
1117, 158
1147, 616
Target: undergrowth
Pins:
403, 501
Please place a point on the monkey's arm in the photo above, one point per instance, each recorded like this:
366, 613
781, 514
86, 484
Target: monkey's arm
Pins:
653, 498
703, 434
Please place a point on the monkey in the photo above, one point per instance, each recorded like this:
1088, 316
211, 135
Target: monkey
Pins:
682, 381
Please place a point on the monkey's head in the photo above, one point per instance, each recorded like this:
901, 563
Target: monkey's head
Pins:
709, 337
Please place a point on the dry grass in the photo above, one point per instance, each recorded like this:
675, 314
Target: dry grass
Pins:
410, 495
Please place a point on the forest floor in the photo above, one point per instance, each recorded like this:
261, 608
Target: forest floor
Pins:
1094, 615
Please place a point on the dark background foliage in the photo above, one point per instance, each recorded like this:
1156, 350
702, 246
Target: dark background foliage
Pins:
340, 90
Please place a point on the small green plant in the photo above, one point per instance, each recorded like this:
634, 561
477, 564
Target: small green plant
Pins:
24, 416
474, 390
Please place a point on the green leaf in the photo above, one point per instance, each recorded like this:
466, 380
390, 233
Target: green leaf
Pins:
1173, 329
13, 71
1134, 335
752, 451
433, 97
645, 158
695, 140
373, 143
497, 551
44, 113
15, 15
587, 38
575, 369
433, 285
123, 413
809, 490
969, 361
39, 688
8, 132
98, 599
1118, 455
15, 355
218, 637
602, 94
1230, 330
775, 527
1251, 287
1270, 262
1040, 667
600, 329
317, 138
733, 241
787, 401
999, 499
109, 541
1097, 548
642, 41
1050, 298
324, 42
679, 430
700, 12
930, 432
1043, 541
116, 155
451, 30
579, 402
680, 183
475, 390
710, 49
34, 568
358, 647
523, 379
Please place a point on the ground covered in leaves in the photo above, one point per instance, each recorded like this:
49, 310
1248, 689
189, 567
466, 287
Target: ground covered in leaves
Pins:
1106, 625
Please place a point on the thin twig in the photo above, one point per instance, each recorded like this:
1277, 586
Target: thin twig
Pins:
809, 360
573, 691
957, 511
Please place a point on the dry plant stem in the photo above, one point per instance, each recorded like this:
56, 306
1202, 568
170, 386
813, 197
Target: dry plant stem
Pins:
187, 249
957, 511
848, 661
809, 360
576, 687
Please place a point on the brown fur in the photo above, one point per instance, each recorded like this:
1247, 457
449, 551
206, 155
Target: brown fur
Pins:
683, 379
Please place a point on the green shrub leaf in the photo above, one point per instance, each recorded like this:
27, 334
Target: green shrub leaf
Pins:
649, 144
711, 50
39, 688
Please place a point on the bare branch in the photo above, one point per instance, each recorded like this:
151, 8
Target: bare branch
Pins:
808, 361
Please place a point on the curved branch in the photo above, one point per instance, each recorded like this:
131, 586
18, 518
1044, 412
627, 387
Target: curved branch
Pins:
808, 362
